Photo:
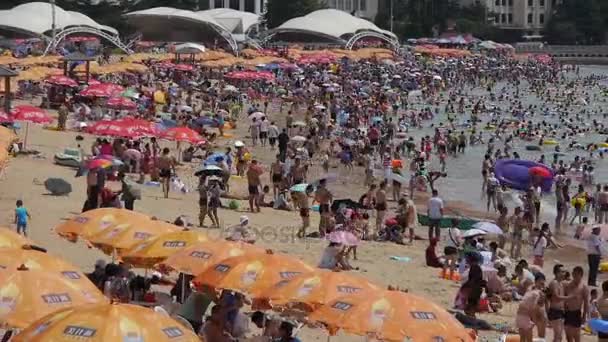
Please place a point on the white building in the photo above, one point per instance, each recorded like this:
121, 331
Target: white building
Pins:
530, 16
253, 6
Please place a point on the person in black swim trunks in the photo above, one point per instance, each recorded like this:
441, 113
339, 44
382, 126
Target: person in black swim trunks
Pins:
556, 298
576, 306
253, 180
166, 166
324, 197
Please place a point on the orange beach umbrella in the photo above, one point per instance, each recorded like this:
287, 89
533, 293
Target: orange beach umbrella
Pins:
27, 295
197, 258
251, 274
11, 259
106, 322
152, 251
317, 288
125, 235
94, 221
391, 316
10, 239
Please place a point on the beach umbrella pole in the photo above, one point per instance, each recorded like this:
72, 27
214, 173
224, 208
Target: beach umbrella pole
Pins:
27, 130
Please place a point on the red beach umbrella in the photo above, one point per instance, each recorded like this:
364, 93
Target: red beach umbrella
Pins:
61, 80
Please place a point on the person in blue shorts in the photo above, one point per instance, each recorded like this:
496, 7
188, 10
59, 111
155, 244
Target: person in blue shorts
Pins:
21, 217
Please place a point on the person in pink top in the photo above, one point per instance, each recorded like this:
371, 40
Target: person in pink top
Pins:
106, 148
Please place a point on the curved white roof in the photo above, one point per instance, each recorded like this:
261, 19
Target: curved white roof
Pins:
222, 18
225, 15
331, 22
37, 18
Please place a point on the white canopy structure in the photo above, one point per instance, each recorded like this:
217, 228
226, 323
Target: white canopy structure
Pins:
36, 19
331, 25
189, 48
170, 24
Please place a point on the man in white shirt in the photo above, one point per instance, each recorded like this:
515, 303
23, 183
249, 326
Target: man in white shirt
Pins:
264, 127
594, 254
273, 134
435, 213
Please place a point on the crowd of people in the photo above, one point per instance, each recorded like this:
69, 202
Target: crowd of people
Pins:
401, 128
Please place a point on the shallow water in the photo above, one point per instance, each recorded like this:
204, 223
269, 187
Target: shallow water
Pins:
464, 172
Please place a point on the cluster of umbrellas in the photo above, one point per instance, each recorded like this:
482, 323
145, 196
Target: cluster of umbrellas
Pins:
173, 66
337, 300
50, 299
250, 75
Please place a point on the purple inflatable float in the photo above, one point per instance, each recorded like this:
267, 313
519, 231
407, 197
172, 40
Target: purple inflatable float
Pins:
517, 174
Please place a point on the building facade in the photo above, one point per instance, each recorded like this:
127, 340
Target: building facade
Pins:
253, 6
530, 16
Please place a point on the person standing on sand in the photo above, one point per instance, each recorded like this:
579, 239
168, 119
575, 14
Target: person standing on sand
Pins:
576, 306
253, 180
21, 217
555, 303
166, 166
381, 206
276, 175
324, 197
594, 254
527, 311
435, 213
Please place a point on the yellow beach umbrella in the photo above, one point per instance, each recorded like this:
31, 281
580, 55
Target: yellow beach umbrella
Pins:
27, 295
312, 290
152, 251
10, 239
197, 258
392, 316
13, 258
106, 322
125, 235
92, 222
251, 274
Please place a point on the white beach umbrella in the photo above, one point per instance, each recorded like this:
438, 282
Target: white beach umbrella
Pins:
473, 232
488, 227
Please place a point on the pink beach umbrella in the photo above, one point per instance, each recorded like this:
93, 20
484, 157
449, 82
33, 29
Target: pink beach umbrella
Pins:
61, 80
29, 114
343, 237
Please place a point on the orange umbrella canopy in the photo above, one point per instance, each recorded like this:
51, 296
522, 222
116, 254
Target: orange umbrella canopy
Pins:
391, 316
251, 274
125, 235
106, 322
317, 288
94, 221
152, 251
197, 258
10, 239
27, 295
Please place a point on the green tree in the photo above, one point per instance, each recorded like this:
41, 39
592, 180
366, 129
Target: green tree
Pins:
579, 22
279, 11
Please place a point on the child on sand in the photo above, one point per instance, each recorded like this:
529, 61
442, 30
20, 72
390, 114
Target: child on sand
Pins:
21, 217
